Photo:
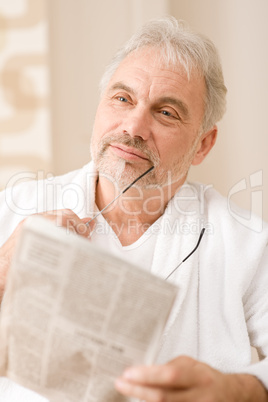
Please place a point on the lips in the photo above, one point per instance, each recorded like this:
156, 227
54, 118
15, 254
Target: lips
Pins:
128, 152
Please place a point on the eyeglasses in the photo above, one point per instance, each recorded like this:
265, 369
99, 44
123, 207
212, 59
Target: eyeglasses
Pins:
189, 255
122, 192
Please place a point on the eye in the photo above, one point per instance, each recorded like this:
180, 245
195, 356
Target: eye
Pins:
166, 113
122, 99
170, 113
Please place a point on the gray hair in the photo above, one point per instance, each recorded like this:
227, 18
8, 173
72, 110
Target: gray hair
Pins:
180, 45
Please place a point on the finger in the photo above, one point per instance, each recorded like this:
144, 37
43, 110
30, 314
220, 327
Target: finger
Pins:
157, 375
4, 267
182, 372
192, 373
152, 394
68, 219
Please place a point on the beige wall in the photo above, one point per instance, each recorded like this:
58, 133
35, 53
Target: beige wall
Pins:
83, 36
25, 136
239, 29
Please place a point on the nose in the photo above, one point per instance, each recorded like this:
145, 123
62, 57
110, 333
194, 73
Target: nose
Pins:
138, 123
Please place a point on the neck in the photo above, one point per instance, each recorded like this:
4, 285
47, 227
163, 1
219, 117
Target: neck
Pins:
137, 209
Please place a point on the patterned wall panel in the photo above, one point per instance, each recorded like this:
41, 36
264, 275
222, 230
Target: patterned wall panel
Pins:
25, 138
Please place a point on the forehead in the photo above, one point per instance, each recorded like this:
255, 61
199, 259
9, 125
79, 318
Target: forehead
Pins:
146, 75
149, 66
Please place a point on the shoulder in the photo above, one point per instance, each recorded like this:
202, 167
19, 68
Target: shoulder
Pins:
22, 189
237, 231
220, 208
226, 224
24, 198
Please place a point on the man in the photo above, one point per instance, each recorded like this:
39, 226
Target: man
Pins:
161, 99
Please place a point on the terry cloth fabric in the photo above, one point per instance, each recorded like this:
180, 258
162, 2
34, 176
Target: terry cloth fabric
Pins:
222, 304
11, 392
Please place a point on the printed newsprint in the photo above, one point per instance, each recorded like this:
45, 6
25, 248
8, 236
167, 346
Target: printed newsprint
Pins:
73, 317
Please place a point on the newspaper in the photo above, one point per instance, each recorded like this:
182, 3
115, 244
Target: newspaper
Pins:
73, 317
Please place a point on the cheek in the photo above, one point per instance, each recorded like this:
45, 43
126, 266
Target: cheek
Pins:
172, 150
168, 149
105, 123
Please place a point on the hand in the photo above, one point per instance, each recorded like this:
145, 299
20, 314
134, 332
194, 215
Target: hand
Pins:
65, 218
187, 380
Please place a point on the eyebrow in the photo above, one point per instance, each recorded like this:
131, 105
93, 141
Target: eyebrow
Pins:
183, 108
121, 85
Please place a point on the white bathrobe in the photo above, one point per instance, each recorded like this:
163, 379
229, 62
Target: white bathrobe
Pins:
222, 304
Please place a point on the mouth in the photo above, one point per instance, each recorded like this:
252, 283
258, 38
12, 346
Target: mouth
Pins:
128, 153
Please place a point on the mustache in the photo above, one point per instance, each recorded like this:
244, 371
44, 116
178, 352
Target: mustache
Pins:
136, 142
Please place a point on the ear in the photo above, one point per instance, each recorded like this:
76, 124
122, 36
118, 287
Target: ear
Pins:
206, 142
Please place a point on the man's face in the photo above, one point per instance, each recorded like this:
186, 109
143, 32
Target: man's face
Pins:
150, 114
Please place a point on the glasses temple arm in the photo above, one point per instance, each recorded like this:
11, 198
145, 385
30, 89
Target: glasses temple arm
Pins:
189, 255
197, 245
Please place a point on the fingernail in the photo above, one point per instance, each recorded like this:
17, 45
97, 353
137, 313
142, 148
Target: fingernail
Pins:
129, 374
119, 383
